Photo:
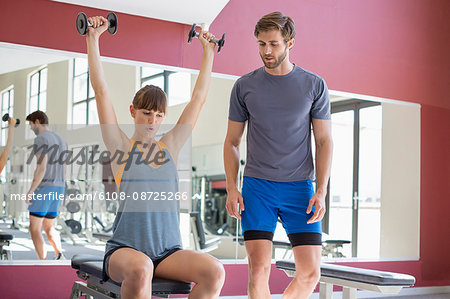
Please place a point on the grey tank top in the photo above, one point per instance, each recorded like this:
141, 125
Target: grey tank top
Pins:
148, 218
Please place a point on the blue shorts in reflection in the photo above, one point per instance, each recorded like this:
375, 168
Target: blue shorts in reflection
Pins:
48, 204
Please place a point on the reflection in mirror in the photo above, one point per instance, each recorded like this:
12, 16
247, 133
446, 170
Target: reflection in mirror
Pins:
376, 156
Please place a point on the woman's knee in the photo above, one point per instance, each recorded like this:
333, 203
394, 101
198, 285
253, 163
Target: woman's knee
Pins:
139, 273
213, 273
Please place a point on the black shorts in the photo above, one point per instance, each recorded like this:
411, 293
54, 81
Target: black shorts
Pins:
156, 261
48, 216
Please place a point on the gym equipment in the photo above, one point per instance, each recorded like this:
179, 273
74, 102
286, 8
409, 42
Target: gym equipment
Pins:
89, 269
351, 279
201, 242
218, 42
73, 207
6, 118
75, 226
83, 23
5, 254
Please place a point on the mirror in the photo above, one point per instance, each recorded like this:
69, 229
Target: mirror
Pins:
370, 182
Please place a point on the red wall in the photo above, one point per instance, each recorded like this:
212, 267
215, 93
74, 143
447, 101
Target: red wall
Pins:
394, 49
19, 282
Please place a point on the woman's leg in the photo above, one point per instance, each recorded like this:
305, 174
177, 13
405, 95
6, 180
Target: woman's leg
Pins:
134, 270
204, 270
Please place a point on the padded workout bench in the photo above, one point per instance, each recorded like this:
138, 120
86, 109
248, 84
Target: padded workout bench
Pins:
5, 254
89, 269
352, 279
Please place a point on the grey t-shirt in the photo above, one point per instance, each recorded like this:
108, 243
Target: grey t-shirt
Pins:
279, 110
54, 147
146, 221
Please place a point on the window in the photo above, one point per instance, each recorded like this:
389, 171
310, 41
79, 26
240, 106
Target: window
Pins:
37, 98
355, 182
7, 106
176, 85
84, 108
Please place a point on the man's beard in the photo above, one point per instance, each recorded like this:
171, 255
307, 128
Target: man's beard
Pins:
276, 60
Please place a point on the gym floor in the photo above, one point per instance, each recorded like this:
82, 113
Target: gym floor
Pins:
22, 247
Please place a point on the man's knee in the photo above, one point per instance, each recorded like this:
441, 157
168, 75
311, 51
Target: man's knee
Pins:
35, 228
48, 229
259, 270
308, 277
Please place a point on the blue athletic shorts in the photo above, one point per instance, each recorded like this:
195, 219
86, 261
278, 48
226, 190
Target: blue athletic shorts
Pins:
266, 201
46, 201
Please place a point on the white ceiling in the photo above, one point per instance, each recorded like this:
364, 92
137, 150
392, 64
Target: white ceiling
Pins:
179, 11
13, 58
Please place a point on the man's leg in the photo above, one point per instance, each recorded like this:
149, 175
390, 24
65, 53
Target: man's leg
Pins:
36, 235
259, 220
259, 260
306, 239
307, 269
52, 235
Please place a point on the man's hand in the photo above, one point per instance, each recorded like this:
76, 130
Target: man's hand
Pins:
317, 201
234, 198
27, 200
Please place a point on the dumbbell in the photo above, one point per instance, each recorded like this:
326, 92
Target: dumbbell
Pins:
83, 23
6, 118
219, 42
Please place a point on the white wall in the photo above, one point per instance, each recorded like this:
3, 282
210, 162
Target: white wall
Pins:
210, 131
123, 82
400, 181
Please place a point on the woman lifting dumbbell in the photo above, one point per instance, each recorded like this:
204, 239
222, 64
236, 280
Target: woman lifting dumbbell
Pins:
13, 123
146, 238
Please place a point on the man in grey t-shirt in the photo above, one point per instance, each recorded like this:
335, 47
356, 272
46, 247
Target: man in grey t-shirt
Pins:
47, 188
279, 102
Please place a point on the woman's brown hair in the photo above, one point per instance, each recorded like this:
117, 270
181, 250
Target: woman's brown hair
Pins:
150, 97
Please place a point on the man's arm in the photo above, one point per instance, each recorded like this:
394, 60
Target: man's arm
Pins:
324, 151
231, 161
41, 166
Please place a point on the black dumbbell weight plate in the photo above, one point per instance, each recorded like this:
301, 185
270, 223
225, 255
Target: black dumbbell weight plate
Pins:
82, 23
73, 207
75, 226
112, 19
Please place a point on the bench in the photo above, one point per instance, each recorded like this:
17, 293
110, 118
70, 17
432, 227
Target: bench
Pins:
351, 279
5, 238
89, 268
